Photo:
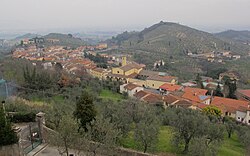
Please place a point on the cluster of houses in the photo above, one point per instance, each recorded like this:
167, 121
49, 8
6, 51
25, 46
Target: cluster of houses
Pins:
150, 86
72, 60
173, 95
219, 57
161, 89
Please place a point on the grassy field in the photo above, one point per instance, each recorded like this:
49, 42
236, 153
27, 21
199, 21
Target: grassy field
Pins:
107, 94
230, 147
57, 98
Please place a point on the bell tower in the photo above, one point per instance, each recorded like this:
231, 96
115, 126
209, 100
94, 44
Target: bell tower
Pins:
124, 61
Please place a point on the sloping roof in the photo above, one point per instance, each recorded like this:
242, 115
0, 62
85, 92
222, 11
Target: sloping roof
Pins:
140, 94
131, 66
169, 99
122, 76
197, 91
230, 105
184, 103
195, 97
161, 78
131, 86
245, 92
175, 100
170, 87
148, 73
152, 98
148, 97
99, 70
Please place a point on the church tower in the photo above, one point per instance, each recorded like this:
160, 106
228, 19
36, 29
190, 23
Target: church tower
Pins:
124, 61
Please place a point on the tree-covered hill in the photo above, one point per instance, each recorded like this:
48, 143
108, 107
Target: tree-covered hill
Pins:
172, 42
238, 36
65, 39
173, 38
27, 36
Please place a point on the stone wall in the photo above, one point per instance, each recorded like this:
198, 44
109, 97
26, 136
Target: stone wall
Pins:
11, 150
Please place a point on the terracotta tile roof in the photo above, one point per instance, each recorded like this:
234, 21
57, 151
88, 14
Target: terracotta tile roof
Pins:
245, 92
131, 86
140, 94
148, 73
200, 105
130, 66
230, 105
170, 87
170, 98
122, 76
161, 78
197, 91
152, 98
243, 109
148, 97
195, 97
99, 70
184, 103
175, 100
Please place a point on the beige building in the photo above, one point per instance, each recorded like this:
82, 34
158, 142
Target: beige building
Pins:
99, 73
130, 88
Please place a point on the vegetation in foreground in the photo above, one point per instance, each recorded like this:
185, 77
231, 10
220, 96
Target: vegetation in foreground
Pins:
127, 122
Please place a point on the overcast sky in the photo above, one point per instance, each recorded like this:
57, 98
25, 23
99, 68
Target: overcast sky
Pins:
103, 15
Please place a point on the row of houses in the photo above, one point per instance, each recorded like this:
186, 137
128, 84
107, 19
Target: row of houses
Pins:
172, 95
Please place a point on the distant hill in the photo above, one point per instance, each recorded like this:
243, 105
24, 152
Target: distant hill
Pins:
65, 39
173, 38
171, 42
27, 36
238, 36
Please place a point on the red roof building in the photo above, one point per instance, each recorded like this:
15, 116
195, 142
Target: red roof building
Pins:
244, 94
197, 91
230, 106
170, 87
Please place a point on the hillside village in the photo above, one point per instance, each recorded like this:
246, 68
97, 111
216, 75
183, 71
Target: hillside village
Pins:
124, 78
152, 87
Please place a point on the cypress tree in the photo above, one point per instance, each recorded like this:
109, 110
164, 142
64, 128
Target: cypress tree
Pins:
218, 91
85, 110
7, 134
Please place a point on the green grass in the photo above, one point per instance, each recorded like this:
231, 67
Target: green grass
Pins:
230, 147
107, 94
164, 143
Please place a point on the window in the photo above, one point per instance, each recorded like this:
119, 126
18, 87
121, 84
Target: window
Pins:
248, 121
153, 85
118, 71
238, 118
